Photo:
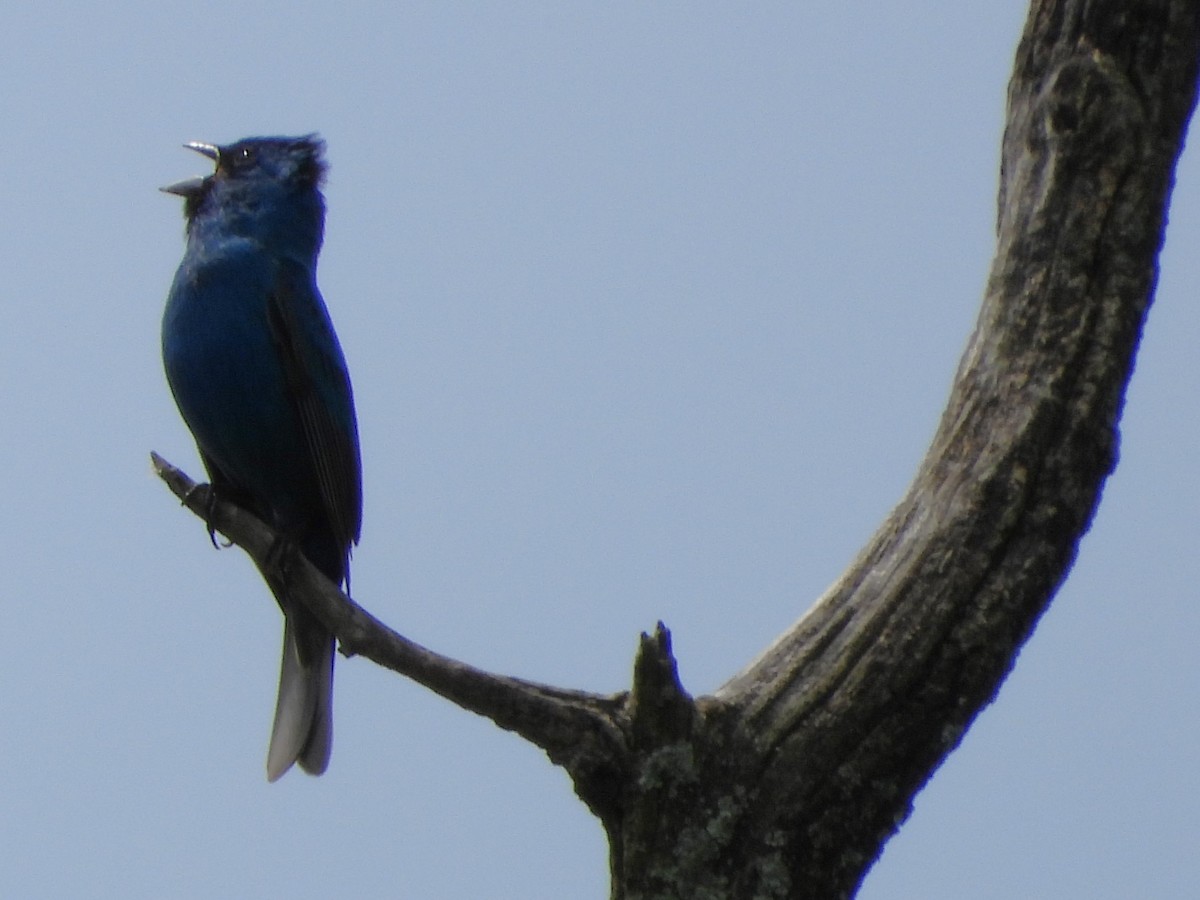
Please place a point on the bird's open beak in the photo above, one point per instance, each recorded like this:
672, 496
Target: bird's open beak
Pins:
191, 186
185, 188
212, 151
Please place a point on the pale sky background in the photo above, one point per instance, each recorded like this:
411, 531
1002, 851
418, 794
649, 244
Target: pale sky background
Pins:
651, 309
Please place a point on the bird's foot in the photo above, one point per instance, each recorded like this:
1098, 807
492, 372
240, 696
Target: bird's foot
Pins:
210, 512
280, 554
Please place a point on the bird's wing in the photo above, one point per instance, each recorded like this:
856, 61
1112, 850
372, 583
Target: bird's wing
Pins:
319, 384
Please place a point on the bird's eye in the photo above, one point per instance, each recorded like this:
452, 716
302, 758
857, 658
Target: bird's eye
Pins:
241, 157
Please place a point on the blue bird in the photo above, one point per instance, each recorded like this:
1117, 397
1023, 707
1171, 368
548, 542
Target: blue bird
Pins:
257, 372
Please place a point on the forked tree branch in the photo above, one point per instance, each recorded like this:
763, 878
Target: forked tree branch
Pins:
788, 781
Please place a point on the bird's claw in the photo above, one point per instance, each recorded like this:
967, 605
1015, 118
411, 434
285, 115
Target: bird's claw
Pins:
280, 553
210, 513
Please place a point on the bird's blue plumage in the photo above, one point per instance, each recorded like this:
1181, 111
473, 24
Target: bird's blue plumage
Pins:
257, 372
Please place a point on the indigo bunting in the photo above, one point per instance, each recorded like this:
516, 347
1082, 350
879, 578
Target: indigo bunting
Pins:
259, 377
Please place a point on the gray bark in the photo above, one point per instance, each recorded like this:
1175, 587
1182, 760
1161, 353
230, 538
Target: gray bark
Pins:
788, 781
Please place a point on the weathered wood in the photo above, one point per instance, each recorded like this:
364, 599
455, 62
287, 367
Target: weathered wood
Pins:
789, 780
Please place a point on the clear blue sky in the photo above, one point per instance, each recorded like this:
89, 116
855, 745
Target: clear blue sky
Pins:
651, 310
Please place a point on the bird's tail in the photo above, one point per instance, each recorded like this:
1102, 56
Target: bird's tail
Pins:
303, 729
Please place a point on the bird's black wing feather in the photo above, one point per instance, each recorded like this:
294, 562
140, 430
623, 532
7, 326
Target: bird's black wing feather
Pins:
320, 388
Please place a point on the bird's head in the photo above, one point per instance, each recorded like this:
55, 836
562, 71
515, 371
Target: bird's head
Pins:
262, 186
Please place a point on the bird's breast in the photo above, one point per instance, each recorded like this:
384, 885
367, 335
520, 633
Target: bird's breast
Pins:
224, 370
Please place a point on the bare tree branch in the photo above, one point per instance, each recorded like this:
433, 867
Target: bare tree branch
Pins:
578, 730
789, 780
